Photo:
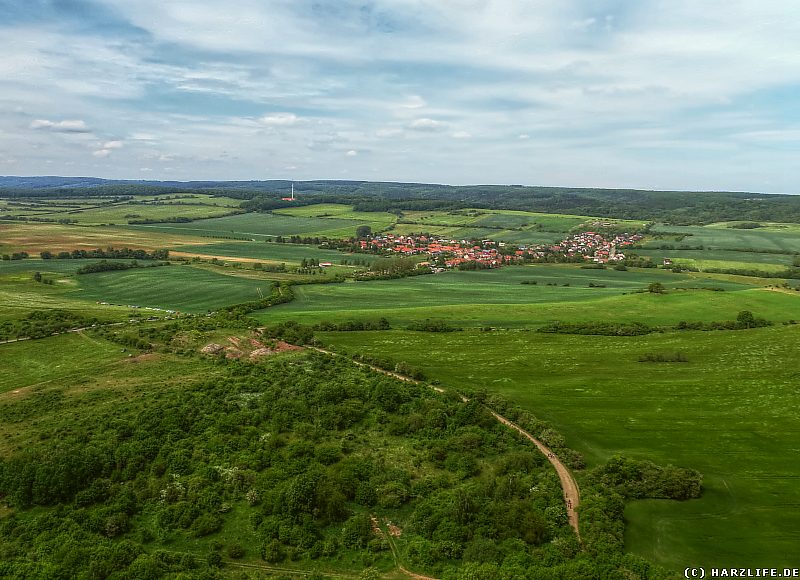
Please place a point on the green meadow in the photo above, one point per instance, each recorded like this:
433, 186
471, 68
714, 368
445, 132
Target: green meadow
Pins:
778, 237
182, 288
20, 293
266, 225
729, 412
561, 292
731, 259
69, 358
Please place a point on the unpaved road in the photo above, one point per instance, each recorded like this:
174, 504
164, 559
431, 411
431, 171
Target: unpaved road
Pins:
572, 493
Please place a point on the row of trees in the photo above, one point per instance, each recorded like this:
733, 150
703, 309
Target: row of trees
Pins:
109, 253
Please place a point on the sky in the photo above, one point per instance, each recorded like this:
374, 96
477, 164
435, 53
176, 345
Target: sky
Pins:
652, 94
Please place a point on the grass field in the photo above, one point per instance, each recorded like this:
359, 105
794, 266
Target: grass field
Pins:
72, 356
497, 298
730, 412
20, 294
732, 259
340, 211
264, 225
719, 236
272, 252
182, 288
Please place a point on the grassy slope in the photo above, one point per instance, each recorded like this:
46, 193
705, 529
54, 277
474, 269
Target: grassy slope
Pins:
20, 294
69, 357
173, 287
729, 412
496, 298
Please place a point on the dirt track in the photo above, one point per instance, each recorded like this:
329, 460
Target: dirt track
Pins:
572, 493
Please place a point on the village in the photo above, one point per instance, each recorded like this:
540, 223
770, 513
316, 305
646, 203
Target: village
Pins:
445, 253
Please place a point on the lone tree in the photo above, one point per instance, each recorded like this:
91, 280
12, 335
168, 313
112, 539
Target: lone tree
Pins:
363, 232
745, 319
655, 288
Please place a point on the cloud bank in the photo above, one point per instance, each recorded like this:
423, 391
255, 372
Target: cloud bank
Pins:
652, 94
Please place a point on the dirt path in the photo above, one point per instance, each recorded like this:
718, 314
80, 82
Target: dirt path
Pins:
572, 493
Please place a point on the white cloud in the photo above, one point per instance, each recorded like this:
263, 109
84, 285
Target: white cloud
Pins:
102, 153
279, 119
112, 145
388, 132
568, 76
414, 102
66, 126
426, 124
352, 153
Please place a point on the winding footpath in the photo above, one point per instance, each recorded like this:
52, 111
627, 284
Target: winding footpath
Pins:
572, 493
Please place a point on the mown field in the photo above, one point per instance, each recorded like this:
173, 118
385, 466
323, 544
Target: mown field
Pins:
728, 412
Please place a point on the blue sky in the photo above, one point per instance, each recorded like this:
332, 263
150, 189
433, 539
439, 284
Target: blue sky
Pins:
656, 94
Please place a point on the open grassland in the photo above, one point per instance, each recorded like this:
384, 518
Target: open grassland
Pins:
272, 253
182, 288
561, 292
34, 238
718, 236
65, 358
730, 258
20, 293
730, 412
